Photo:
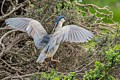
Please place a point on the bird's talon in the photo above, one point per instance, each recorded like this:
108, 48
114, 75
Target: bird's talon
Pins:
57, 61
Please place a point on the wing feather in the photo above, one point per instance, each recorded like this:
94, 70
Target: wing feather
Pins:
70, 33
84, 39
31, 26
76, 36
17, 22
86, 34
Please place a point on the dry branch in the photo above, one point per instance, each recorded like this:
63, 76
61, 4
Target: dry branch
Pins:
2, 43
15, 8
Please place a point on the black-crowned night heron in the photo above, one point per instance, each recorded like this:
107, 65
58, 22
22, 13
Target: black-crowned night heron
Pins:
68, 33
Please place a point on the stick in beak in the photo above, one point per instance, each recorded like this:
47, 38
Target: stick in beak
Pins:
53, 29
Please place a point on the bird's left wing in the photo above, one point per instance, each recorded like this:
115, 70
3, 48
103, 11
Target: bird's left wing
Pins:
70, 33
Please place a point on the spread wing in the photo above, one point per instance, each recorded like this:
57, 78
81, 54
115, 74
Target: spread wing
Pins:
70, 33
32, 27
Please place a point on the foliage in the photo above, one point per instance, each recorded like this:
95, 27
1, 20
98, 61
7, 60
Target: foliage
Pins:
98, 73
102, 70
53, 75
113, 56
112, 4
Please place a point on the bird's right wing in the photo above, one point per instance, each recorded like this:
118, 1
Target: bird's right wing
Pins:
32, 27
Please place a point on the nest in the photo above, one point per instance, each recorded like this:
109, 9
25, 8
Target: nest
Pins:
20, 54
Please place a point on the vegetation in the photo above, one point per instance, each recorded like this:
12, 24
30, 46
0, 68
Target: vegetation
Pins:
98, 59
102, 71
53, 75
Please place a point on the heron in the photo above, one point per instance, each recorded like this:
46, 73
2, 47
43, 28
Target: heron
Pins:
67, 33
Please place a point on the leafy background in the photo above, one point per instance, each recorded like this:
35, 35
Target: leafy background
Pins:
112, 4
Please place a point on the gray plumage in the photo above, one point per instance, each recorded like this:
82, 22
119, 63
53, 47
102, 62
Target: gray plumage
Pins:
31, 26
68, 33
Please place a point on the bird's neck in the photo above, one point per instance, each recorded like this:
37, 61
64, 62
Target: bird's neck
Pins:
59, 26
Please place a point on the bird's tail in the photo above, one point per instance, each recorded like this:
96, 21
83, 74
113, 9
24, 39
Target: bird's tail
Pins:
41, 58
42, 55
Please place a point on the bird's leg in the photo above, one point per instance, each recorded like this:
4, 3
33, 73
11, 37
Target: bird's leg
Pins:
54, 60
46, 63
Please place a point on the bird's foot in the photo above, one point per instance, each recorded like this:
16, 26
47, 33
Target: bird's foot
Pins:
46, 63
55, 60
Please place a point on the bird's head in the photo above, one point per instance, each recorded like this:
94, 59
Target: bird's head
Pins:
59, 19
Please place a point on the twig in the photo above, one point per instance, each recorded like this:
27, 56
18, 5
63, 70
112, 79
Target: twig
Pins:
12, 3
16, 2
85, 67
9, 65
49, 17
5, 28
13, 10
102, 77
94, 6
3, 46
6, 35
2, 7
20, 76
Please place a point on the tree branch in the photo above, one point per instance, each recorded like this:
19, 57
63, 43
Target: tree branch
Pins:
13, 10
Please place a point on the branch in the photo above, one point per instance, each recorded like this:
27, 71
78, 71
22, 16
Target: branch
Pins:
2, 43
13, 10
20, 76
2, 7
94, 6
